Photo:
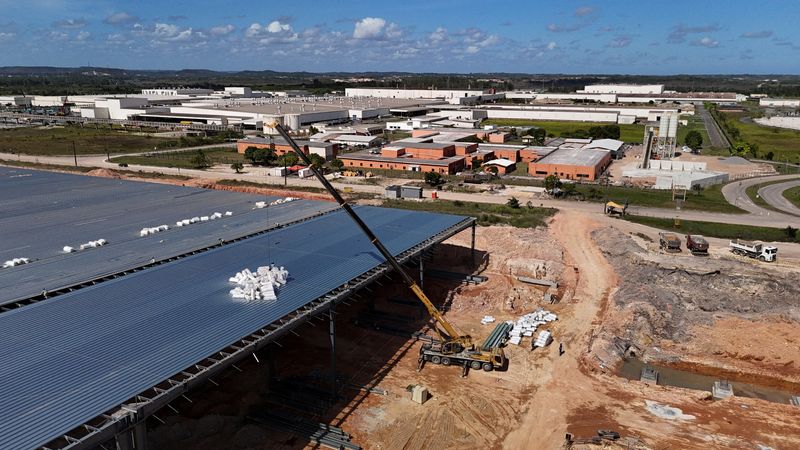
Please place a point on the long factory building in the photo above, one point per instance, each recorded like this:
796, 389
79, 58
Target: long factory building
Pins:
130, 326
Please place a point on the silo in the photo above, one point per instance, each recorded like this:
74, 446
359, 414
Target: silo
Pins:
663, 126
673, 126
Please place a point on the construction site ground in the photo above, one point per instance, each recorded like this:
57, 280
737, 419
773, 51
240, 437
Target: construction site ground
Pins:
721, 315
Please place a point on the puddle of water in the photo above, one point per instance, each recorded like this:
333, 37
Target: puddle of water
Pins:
632, 370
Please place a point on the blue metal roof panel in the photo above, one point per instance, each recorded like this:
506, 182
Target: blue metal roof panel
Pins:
65, 361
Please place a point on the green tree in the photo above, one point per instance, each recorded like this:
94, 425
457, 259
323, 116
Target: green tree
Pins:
249, 153
769, 155
538, 134
337, 164
693, 139
200, 160
316, 160
433, 178
513, 203
237, 167
289, 159
551, 182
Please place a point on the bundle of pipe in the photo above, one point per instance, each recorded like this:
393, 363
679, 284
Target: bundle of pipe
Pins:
498, 336
15, 262
260, 285
93, 244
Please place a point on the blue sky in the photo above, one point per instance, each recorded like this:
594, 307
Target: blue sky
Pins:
630, 37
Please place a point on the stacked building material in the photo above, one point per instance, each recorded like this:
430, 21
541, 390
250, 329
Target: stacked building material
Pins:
280, 201
93, 244
324, 435
487, 320
544, 339
146, 231
260, 285
498, 336
526, 325
15, 262
214, 216
67, 249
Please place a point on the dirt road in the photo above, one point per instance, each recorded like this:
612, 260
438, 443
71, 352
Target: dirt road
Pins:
544, 424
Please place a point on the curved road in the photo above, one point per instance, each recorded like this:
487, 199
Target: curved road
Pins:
736, 194
773, 194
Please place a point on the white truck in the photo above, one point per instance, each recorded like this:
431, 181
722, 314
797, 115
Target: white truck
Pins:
754, 250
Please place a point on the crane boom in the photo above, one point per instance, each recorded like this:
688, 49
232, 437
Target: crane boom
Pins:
447, 327
454, 348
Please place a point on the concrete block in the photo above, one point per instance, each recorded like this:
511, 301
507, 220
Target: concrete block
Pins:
420, 394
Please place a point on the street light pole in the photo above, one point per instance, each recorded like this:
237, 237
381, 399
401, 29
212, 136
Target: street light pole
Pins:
74, 154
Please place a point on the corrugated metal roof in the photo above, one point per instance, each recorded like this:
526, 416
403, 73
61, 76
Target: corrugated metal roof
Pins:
64, 361
44, 211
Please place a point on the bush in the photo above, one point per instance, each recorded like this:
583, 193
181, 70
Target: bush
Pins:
513, 203
693, 139
237, 167
433, 178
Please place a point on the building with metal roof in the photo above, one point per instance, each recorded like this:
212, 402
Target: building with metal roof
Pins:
126, 346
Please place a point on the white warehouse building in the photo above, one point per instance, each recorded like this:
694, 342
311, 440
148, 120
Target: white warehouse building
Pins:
623, 89
780, 102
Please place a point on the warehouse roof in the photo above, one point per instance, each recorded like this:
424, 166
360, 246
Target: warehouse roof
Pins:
39, 206
499, 162
406, 159
71, 358
281, 141
605, 144
355, 138
574, 157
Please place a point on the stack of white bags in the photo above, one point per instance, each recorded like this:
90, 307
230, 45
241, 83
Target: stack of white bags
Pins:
15, 262
92, 244
195, 219
153, 230
280, 201
260, 285
487, 320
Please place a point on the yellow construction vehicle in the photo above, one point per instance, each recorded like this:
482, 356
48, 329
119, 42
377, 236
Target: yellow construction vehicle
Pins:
453, 347
615, 209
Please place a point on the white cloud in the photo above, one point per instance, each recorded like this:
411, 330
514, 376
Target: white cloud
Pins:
222, 30
70, 24
551, 45
369, 28
757, 34
620, 42
439, 35
277, 27
6, 36
120, 18
556, 28
472, 49
706, 42
679, 32
82, 36
584, 11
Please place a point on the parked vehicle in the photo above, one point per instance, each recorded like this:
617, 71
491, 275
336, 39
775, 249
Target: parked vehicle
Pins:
615, 209
756, 250
669, 242
696, 244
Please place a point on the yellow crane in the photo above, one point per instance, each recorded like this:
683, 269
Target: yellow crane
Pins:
453, 347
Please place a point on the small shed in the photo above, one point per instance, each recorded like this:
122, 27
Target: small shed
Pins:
410, 192
392, 191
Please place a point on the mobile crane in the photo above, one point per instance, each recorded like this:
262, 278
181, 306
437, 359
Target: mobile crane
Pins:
453, 347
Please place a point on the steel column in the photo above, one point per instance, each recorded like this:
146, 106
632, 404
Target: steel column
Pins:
472, 246
140, 436
421, 271
332, 333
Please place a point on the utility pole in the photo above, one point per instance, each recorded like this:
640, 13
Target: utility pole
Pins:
74, 154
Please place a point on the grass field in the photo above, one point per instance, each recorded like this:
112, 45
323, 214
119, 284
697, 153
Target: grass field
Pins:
710, 199
628, 132
486, 214
183, 160
793, 195
719, 230
88, 141
783, 143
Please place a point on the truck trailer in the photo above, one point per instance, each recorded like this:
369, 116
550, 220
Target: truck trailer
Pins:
669, 242
696, 244
755, 250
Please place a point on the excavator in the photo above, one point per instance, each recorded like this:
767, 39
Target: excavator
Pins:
615, 209
453, 347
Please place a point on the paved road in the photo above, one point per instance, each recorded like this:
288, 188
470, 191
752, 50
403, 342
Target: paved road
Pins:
735, 193
714, 133
773, 194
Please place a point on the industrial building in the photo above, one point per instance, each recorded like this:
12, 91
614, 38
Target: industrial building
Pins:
327, 150
622, 89
500, 166
153, 314
572, 162
452, 96
779, 102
